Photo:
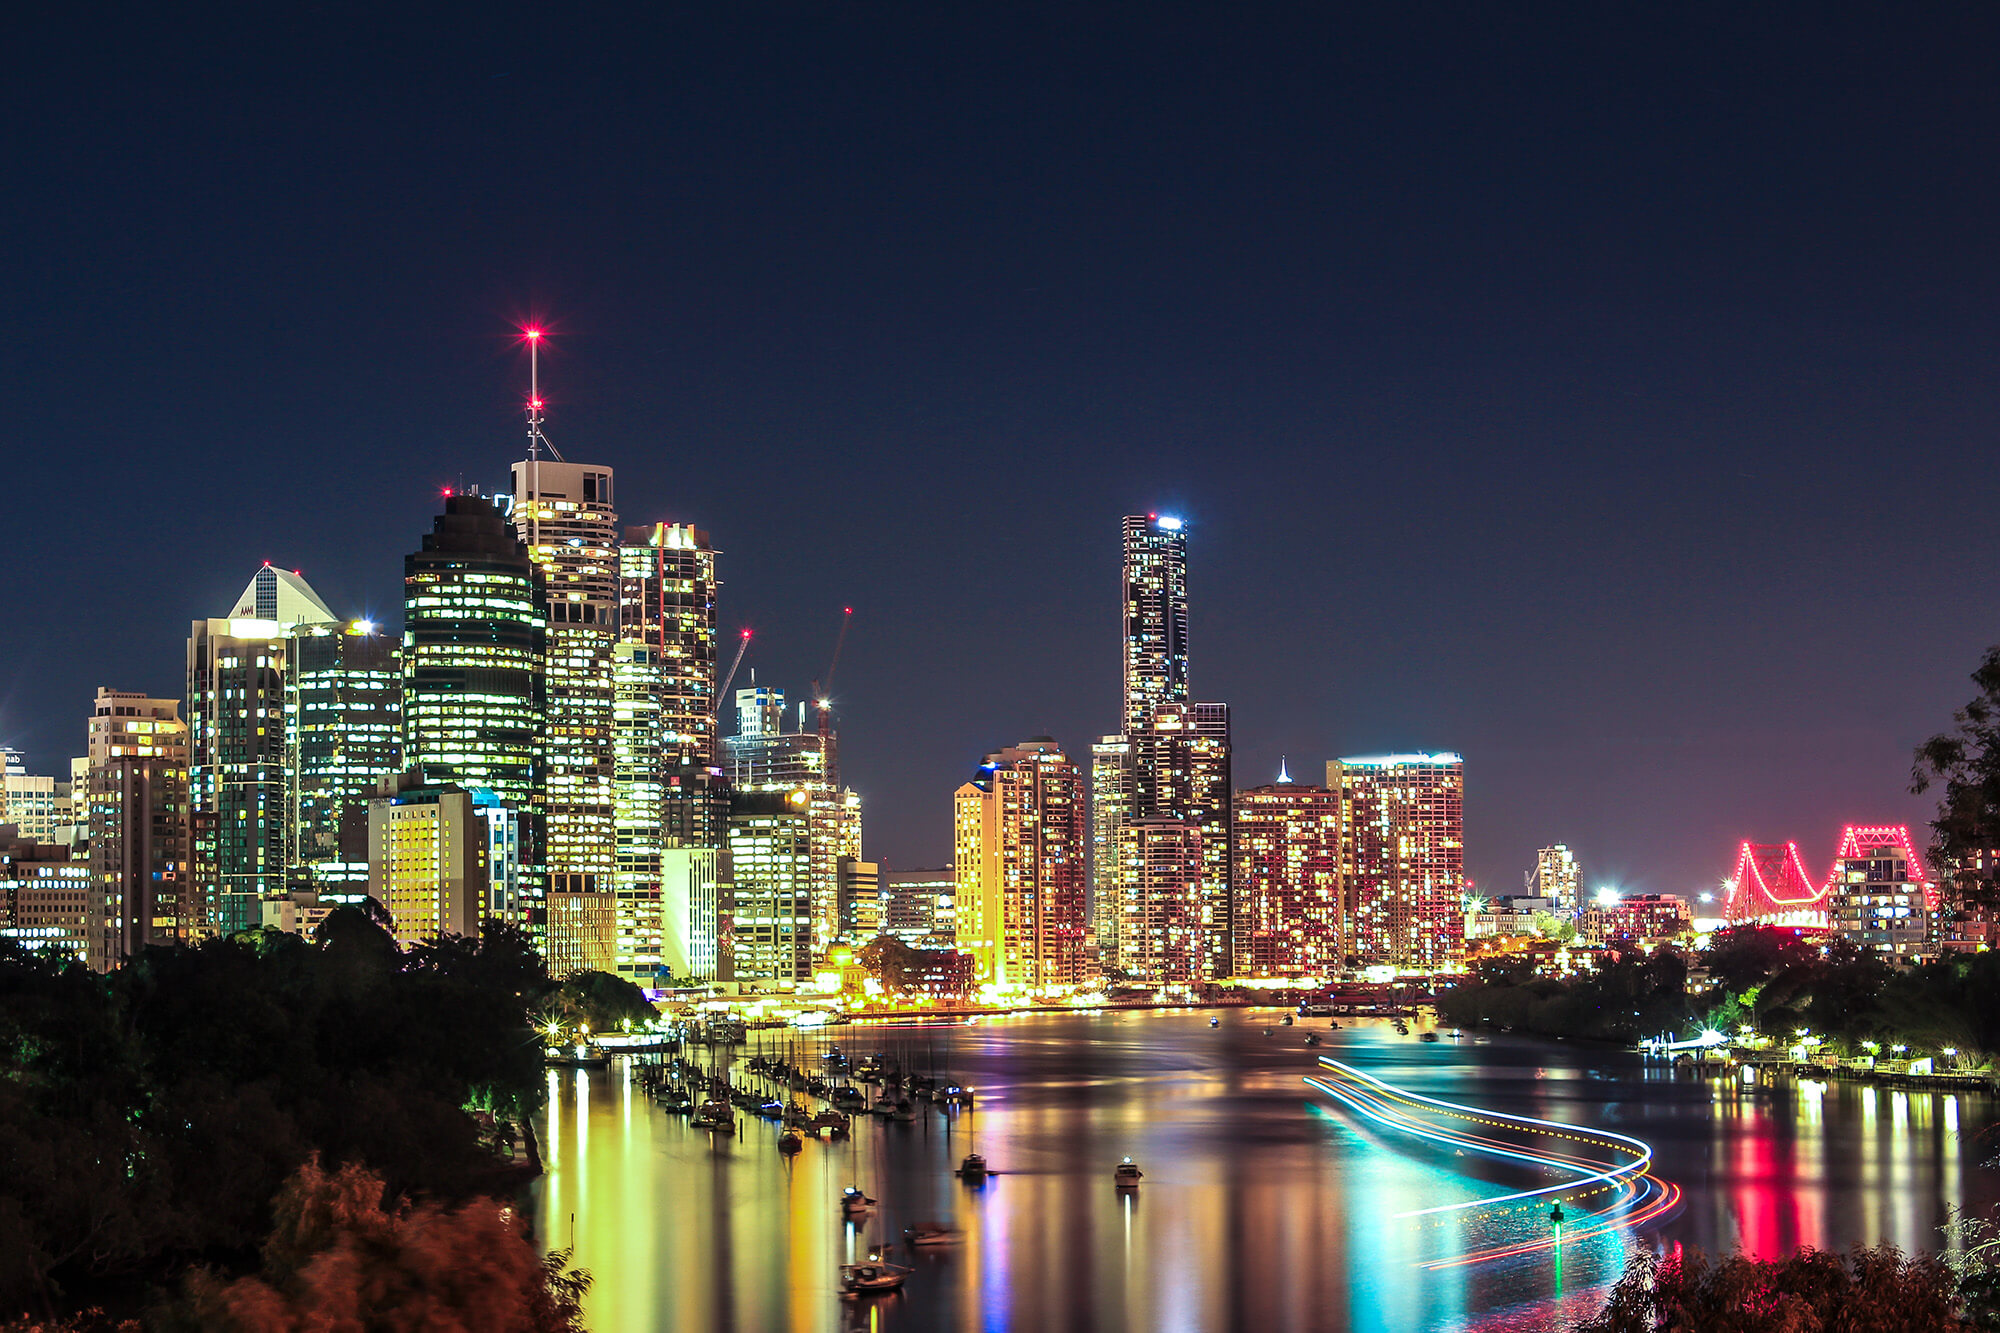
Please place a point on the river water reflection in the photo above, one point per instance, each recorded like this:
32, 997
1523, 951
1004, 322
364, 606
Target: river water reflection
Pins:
1265, 1205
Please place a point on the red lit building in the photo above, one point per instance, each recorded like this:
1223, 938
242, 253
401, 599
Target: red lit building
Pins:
1287, 881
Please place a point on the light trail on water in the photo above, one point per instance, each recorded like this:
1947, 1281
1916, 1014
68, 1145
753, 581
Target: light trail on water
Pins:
1637, 1199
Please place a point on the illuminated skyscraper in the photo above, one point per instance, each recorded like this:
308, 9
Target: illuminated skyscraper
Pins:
563, 515
1287, 849
1402, 856
427, 858
240, 811
1557, 877
1019, 845
138, 800
343, 735
762, 756
474, 652
1160, 937
770, 909
1110, 803
1181, 770
1156, 616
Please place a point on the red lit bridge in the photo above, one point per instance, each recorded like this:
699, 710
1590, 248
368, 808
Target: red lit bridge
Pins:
1771, 882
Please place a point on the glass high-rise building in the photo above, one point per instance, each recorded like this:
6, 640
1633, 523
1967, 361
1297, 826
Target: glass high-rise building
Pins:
475, 646
1156, 616
239, 810
1402, 868
769, 915
563, 515
343, 736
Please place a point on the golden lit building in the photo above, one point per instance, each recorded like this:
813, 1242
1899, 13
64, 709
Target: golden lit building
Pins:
1018, 840
427, 859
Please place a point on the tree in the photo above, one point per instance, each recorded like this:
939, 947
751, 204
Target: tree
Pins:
1965, 764
344, 1255
1869, 1291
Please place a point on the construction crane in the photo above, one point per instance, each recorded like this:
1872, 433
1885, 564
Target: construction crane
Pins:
742, 647
821, 697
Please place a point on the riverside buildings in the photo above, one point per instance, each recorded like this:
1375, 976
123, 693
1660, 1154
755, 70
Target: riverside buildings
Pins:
343, 736
1557, 877
1018, 840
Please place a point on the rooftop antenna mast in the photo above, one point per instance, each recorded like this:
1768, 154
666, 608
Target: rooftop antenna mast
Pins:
536, 440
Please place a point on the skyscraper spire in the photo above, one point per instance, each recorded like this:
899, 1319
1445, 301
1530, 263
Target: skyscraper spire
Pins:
1283, 776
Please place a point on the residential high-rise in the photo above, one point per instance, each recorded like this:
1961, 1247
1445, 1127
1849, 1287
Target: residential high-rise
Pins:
138, 801
1557, 877
1181, 770
770, 911
1019, 846
1402, 856
474, 657
239, 809
1880, 897
1110, 803
1287, 849
1160, 938
563, 515
921, 906
836, 837
343, 735
862, 901
1156, 616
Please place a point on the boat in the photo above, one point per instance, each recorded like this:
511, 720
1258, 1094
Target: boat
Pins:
904, 1110
714, 1115
829, 1119
883, 1107
1455, 1035
973, 1167
927, 1234
849, 1099
1312, 1038
771, 1110
1127, 1174
790, 1142
1286, 1020
1428, 1036
1311, 1010
872, 1278
1215, 1022
798, 1117
1267, 1031
853, 1203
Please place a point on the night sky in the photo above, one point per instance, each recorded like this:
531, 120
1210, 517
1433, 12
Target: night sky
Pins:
1604, 392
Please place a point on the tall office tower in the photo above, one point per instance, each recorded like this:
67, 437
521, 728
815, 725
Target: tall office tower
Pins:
639, 810
1018, 839
694, 885
474, 647
1110, 803
239, 810
1287, 913
343, 735
836, 837
1156, 616
1160, 937
769, 915
920, 907
863, 904
763, 754
138, 794
33, 805
1181, 770
563, 514
1402, 859
1557, 877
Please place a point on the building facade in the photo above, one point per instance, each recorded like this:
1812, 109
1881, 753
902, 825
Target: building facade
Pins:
563, 517
1287, 849
1879, 896
427, 859
1161, 940
1156, 616
46, 896
770, 908
1019, 846
1558, 877
474, 660
343, 736
1402, 857
141, 891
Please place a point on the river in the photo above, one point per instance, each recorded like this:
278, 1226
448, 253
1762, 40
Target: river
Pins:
1266, 1204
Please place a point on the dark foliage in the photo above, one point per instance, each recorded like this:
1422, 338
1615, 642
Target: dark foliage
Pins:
149, 1117
1637, 994
1869, 1291
1964, 764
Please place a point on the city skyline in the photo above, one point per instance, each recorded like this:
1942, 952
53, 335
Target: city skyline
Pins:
1510, 422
